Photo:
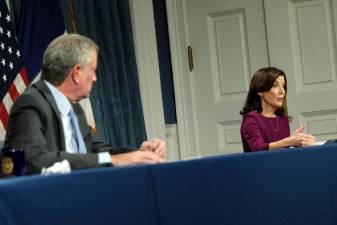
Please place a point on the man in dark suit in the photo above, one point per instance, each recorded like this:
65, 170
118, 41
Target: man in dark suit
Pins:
40, 120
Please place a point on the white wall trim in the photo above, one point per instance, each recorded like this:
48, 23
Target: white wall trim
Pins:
181, 79
148, 67
172, 142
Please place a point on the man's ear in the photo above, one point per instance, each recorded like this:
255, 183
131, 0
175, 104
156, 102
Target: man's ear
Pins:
75, 74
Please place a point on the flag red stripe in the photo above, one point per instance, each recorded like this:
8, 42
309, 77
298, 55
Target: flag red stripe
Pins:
15, 78
24, 76
3, 115
13, 92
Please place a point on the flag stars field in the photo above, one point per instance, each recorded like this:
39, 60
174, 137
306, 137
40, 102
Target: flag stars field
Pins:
13, 77
8, 18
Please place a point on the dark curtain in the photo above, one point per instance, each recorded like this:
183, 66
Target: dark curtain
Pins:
164, 58
115, 98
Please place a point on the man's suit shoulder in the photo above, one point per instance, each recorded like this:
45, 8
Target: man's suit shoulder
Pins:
33, 98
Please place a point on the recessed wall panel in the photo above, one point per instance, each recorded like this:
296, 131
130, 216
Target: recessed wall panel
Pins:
229, 53
321, 124
229, 136
314, 49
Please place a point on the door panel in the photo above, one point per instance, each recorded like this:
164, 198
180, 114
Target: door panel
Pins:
232, 39
302, 41
229, 43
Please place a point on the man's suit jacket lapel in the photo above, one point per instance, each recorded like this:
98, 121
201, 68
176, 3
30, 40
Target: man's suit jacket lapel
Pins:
43, 88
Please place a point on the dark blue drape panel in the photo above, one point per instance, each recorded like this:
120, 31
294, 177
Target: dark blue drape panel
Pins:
35, 16
164, 57
115, 97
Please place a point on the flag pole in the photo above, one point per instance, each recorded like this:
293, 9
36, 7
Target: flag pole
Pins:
85, 103
72, 17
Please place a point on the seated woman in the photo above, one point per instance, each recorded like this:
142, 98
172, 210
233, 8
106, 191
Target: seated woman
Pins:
265, 124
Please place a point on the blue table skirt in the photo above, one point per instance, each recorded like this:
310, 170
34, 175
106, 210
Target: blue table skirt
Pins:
290, 186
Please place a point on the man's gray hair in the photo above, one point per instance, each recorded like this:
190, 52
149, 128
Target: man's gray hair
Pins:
63, 53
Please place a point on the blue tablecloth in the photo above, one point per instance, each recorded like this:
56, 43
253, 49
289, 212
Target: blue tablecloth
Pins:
91, 197
291, 186
295, 186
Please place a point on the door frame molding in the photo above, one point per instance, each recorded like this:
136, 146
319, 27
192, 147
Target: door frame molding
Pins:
179, 40
148, 70
148, 67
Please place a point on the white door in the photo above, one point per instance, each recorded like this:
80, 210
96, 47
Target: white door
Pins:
228, 39
302, 41
231, 39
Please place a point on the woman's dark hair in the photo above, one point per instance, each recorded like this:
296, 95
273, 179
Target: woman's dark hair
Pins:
263, 80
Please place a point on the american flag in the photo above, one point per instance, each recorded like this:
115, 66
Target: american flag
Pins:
19, 67
13, 77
